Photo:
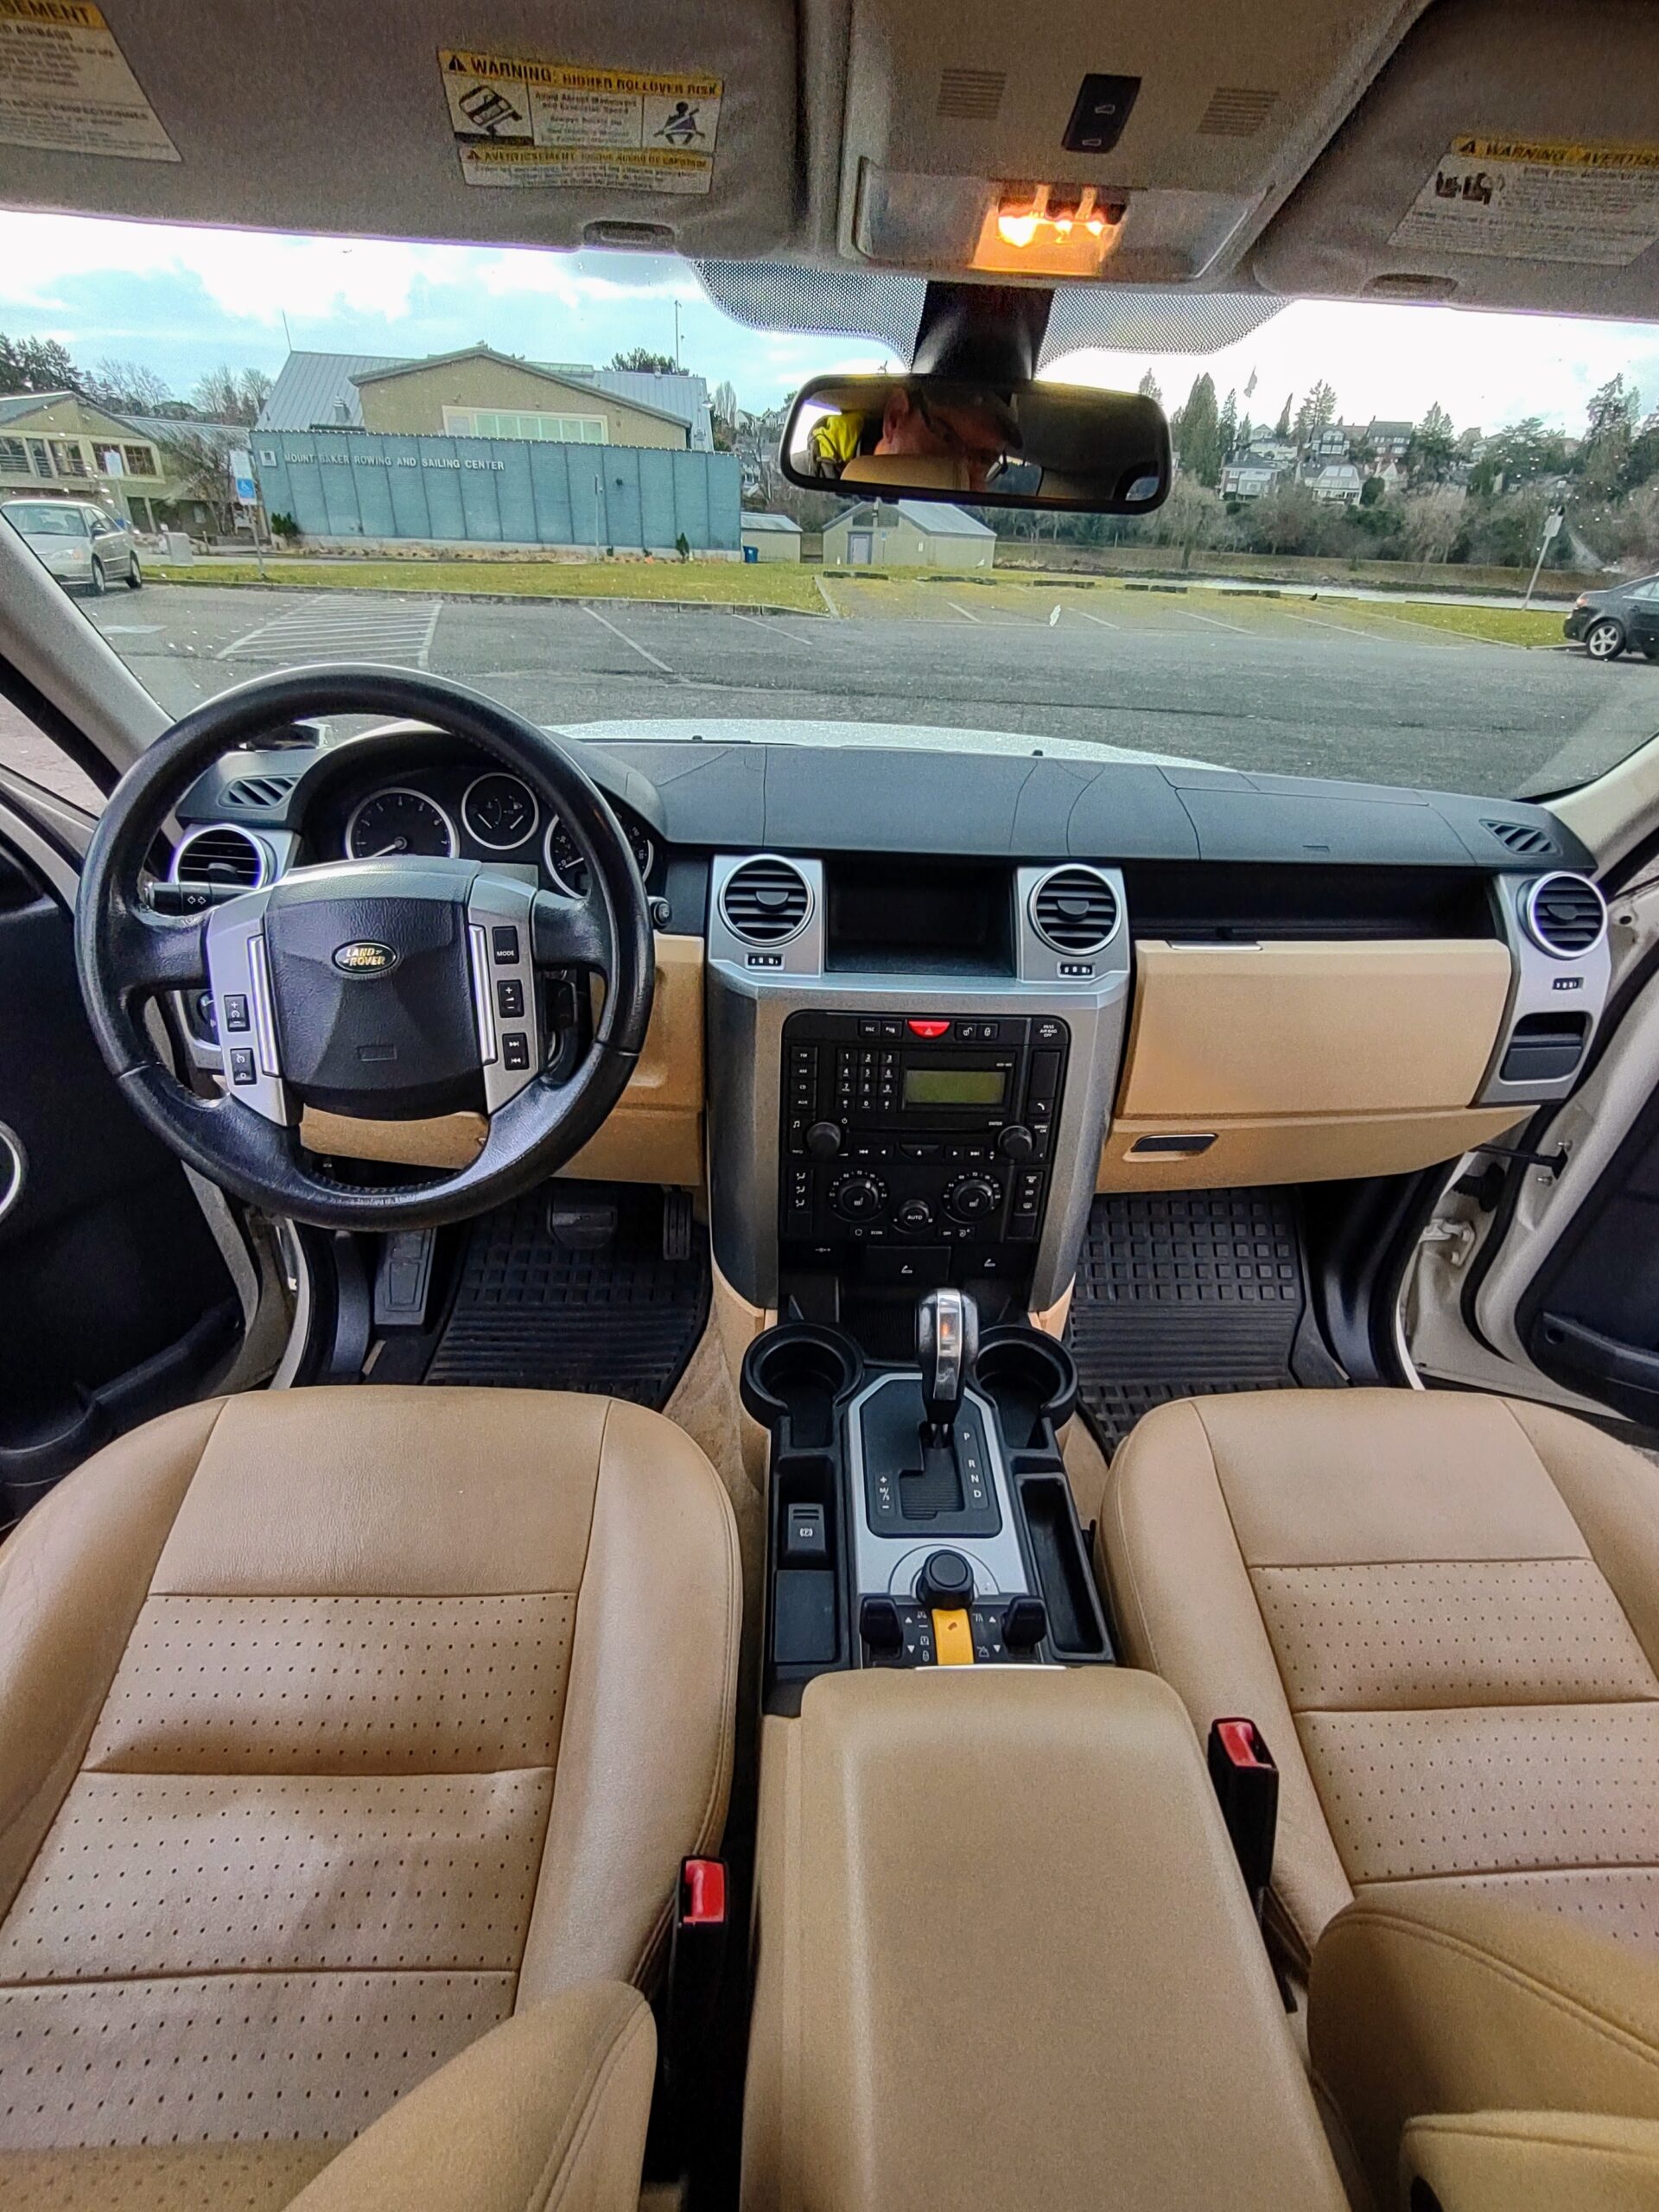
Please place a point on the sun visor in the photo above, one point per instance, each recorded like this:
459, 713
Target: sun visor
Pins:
1507, 157
1141, 146
528, 122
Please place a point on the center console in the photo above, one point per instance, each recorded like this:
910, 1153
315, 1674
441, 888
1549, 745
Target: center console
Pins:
910, 1069
921, 1514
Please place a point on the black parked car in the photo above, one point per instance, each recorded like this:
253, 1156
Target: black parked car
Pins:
1627, 614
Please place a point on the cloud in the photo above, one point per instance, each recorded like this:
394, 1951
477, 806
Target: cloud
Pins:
182, 298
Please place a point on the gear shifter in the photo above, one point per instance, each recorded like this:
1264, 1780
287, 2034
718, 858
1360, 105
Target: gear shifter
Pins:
947, 1339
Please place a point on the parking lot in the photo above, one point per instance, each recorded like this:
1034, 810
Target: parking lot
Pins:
1335, 687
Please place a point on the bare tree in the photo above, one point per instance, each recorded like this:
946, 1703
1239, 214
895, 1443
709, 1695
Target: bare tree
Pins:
129, 388
197, 473
228, 395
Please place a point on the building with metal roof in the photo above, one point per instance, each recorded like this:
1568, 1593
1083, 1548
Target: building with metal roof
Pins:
908, 534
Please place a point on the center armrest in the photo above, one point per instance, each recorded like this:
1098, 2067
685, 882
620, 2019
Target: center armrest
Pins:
1004, 1948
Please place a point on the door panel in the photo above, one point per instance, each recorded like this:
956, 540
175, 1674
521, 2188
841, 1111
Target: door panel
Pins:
115, 1300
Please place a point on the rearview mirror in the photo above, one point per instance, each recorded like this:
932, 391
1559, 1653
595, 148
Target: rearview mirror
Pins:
1021, 445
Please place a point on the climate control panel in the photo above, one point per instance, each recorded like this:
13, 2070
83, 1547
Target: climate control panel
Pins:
916, 1147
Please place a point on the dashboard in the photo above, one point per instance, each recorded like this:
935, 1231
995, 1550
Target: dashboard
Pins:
915, 1007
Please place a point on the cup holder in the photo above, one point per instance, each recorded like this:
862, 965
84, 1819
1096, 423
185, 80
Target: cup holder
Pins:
1030, 1379
795, 1374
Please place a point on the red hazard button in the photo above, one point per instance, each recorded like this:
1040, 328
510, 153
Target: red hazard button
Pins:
928, 1028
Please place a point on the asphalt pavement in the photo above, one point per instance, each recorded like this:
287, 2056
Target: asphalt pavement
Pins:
1333, 689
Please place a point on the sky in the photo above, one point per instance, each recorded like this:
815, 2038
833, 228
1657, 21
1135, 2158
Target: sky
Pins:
180, 301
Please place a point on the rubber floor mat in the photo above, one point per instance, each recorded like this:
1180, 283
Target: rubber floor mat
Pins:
1184, 1294
531, 1313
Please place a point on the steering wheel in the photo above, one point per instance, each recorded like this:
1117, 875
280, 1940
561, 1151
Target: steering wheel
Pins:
390, 989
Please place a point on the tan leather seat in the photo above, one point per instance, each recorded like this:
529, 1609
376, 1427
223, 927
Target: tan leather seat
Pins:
1443, 1612
337, 1729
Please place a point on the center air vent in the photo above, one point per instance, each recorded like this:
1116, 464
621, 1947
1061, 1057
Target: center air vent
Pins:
1566, 914
1524, 839
765, 901
1074, 910
222, 856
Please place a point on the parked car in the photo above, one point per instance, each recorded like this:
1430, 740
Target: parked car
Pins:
80, 543
1606, 622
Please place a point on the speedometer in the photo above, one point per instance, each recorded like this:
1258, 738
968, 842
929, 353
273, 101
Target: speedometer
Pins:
397, 821
568, 870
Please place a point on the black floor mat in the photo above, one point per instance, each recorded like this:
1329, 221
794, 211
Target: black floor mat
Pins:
1188, 1292
531, 1313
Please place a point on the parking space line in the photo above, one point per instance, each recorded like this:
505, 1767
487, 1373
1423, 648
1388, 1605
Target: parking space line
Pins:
1320, 622
644, 651
963, 611
425, 648
1215, 623
765, 622
1100, 619
1446, 637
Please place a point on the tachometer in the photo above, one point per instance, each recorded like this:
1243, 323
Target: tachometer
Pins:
397, 821
568, 870
501, 811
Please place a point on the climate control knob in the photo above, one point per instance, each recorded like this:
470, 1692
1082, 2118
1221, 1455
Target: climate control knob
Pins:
858, 1197
1016, 1142
973, 1198
915, 1213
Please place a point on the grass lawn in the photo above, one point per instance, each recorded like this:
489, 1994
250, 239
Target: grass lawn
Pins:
1503, 626
721, 583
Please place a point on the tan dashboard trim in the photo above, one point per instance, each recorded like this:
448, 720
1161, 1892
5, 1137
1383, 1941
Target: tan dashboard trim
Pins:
654, 1132
1307, 1062
441, 1140
1230, 1031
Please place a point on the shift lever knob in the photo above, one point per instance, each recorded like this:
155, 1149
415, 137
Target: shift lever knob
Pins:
947, 1338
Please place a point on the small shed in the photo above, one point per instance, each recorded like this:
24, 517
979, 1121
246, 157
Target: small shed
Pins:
907, 534
770, 537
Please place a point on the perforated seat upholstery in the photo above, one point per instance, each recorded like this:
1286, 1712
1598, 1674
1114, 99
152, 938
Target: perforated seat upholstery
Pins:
336, 1729
1443, 1612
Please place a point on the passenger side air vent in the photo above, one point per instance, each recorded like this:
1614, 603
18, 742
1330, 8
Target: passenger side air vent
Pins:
1074, 910
1524, 839
258, 791
223, 855
1565, 914
765, 902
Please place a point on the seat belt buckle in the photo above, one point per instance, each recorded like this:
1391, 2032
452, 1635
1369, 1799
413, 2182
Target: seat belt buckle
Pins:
1246, 1782
696, 1960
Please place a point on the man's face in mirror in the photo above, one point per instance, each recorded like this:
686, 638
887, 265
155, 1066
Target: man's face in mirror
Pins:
967, 431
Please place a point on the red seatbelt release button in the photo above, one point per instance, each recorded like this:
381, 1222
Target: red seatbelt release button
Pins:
702, 1893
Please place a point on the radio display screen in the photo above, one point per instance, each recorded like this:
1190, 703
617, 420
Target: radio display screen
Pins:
948, 1086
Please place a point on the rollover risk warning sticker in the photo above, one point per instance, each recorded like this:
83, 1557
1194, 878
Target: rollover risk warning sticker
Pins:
65, 86
522, 122
1539, 199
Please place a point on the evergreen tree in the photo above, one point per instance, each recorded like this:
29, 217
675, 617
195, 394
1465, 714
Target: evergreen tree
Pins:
1149, 388
1282, 428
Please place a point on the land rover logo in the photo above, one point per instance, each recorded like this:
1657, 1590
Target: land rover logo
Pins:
362, 956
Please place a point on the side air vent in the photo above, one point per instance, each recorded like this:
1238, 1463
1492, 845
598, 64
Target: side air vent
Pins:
1566, 914
1524, 839
1236, 112
1074, 910
222, 856
765, 902
970, 95
258, 791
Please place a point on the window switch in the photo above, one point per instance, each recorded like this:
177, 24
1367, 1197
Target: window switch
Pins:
806, 1540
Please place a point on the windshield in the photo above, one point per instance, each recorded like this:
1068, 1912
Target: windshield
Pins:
46, 521
1400, 546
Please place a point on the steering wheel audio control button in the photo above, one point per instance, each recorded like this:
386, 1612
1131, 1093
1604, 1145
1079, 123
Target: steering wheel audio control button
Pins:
515, 1051
510, 999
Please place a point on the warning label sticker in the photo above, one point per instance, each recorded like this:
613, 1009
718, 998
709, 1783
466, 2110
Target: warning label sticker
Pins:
65, 86
523, 122
1538, 200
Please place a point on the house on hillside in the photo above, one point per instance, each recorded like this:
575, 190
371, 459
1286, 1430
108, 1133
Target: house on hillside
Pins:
907, 534
1387, 441
1338, 480
1250, 476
